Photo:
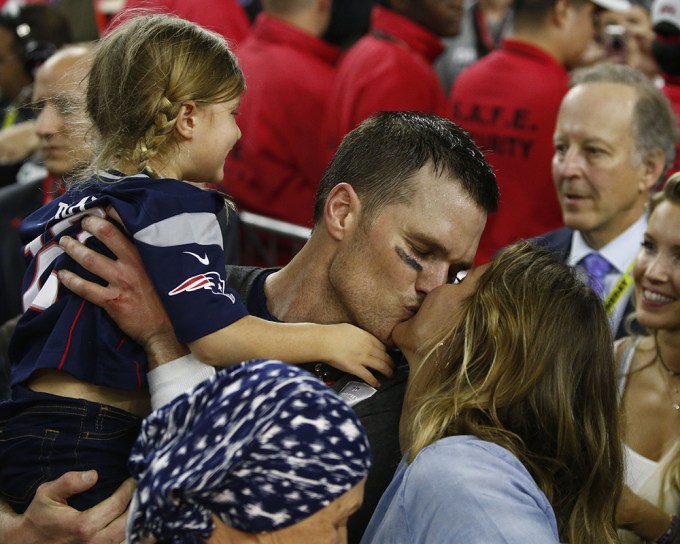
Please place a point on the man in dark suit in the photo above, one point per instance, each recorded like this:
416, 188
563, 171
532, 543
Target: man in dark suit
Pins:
614, 139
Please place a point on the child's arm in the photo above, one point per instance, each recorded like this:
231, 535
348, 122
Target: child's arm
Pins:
343, 346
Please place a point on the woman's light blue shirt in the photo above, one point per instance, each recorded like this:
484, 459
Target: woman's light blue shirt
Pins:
463, 490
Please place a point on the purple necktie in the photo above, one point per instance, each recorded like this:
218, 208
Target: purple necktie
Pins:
597, 267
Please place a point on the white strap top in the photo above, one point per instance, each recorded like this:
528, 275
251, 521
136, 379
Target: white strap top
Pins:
643, 475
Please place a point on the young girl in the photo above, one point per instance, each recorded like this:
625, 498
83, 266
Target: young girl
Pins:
162, 95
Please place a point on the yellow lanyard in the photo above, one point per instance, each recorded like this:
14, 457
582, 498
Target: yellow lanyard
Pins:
10, 116
624, 283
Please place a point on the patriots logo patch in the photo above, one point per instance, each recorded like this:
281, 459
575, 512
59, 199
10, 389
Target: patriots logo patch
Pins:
210, 280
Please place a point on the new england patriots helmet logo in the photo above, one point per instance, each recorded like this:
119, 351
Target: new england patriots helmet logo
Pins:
209, 280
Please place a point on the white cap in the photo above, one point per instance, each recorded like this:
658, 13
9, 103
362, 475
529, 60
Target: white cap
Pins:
666, 11
613, 5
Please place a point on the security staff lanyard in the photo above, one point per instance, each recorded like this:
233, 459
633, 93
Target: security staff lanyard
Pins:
10, 116
624, 283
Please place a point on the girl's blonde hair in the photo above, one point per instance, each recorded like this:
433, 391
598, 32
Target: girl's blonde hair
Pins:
141, 75
531, 369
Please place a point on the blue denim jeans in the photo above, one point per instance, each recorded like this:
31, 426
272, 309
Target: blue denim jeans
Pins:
43, 436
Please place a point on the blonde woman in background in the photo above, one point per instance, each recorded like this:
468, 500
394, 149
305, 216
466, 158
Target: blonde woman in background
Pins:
649, 382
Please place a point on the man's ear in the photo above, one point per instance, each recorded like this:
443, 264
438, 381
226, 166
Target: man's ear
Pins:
654, 164
187, 119
559, 13
341, 211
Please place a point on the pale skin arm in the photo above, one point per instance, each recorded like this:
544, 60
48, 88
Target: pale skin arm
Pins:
50, 519
641, 516
130, 299
343, 346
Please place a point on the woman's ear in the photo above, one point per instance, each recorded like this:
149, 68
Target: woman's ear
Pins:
187, 119
341, 211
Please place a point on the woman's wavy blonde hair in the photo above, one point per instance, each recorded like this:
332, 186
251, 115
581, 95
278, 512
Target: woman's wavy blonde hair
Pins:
531, 369
141, 74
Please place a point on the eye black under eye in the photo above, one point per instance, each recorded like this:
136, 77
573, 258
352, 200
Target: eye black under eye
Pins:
408, 259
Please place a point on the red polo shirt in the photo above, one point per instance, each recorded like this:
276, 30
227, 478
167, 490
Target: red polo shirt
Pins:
289, 74
388, 69
226, 17
508, 102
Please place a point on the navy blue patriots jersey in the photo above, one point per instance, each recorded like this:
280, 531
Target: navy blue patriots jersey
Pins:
175, 228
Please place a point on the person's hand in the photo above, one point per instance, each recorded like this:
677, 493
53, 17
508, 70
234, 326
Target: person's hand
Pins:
130, 297
17, 142
49, 518
355, 351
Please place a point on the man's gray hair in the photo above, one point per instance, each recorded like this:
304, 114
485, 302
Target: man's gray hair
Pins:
654, 123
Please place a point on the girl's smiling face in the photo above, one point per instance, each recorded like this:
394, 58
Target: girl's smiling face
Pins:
215, 134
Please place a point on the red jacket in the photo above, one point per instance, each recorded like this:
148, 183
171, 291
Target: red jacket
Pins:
508, 102
388, 69
289, 74
226, 17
